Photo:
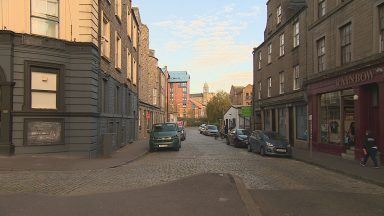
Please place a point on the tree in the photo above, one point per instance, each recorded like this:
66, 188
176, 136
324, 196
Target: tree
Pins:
217, 107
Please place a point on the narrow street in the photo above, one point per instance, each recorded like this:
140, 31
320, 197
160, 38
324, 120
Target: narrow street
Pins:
279, 186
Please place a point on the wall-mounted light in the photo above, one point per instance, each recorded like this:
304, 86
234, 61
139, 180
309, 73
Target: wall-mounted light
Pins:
355, 97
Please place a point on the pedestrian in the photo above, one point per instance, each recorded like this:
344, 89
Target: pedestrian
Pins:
370, 149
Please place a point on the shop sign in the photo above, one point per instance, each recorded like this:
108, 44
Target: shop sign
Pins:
355, 78
44, 132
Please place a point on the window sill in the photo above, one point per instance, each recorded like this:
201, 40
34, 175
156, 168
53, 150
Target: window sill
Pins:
281, 56
107, 59
118, 69
118, 18
296, 47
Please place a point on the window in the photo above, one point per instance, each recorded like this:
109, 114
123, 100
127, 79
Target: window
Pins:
269, 53
259, 60
129, 23
45, 17
134, 36
296, 34
129, 65
296, 78
154, 96
278, 14
134, 76
381, 21
282, 47
44, 88
330, 115
259, 92
282, 80
321, 55
269, 86
104, 91
117, 100
321, 8
282, 122
346, 44
105, 38
118, 52
118, 8
301, 123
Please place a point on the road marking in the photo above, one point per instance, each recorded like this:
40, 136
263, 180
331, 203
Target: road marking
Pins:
252, 208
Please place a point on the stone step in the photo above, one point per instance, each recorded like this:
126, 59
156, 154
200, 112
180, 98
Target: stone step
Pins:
348, 156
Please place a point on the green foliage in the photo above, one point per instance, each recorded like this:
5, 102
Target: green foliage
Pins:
217, 107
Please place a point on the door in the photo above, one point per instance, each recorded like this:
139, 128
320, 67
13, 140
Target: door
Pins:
291, 127
273, 120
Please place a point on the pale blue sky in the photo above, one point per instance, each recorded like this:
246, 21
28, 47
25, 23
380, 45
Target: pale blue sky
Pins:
211, 39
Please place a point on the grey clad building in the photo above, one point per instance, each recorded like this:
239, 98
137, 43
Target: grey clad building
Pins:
68, 87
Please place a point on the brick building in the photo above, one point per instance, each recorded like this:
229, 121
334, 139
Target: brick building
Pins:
179, 95
68, 76
337, 46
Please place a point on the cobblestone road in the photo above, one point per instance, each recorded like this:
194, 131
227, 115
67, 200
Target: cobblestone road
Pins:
199, 154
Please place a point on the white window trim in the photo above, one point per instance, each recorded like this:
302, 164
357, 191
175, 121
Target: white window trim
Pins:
279, 14
296, 34
296, 78
282, 44
117, 51
281, 83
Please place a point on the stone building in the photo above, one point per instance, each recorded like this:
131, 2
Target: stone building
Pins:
150, 108
179, 95
279, 68
68, 76
205, 97
340, 75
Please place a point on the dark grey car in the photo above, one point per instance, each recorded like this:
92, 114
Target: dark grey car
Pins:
269, 143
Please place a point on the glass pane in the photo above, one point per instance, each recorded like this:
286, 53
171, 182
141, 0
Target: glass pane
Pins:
43, 100
330, 118
45, 8
44, 81
44, 27
282, 123
301, 123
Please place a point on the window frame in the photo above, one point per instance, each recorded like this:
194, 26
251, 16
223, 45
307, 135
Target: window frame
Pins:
321, 8
118, 9
282, 44
281, 83
118, 50
269, 87
279, 14
269, 53
106, 51
296, 78
49, 18
259, 60
346, 43
320, 43
296, 34
46, 68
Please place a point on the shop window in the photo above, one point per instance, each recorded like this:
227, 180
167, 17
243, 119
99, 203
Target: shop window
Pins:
301, 123
282, 122
346, 44
45, 17
330, 125
44, 85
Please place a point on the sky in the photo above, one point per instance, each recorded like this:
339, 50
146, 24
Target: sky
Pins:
211, 39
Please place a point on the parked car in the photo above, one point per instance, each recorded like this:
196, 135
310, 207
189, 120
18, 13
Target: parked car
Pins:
211, 130
165, 135
269, 143
202, 128
183, 133
238, 138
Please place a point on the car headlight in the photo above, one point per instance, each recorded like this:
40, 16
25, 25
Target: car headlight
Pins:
289, 146
269, 144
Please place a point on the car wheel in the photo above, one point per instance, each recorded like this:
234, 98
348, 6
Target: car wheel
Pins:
151, 149
228, 141
236, 145
262, 151
249, 148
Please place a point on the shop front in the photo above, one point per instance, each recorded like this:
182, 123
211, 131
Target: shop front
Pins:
343, 108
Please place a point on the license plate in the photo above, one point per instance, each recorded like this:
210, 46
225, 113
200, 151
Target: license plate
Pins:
281, 150
163, 146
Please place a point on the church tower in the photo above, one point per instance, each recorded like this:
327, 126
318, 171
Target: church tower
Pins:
206, 88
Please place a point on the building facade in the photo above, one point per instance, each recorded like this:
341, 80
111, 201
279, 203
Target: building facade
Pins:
240, 95
279, 68
179, 95
346, 75
342, 79
70, 74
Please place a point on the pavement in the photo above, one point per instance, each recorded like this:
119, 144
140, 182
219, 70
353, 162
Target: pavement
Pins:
207, 194
351, 168
63, 162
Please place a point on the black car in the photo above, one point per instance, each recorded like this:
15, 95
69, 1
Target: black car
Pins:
269, 143
238, 138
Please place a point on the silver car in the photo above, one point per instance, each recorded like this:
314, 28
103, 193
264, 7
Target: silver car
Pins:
211, 130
